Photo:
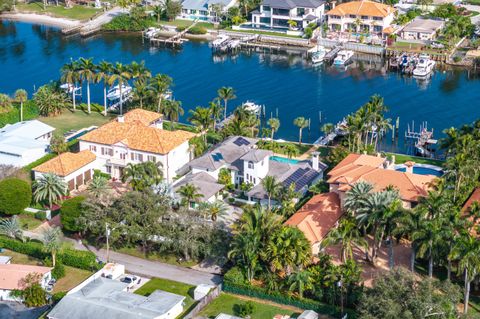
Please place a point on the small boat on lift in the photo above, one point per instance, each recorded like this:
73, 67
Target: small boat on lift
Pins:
343, 57
318, 55
70, 88
252, 107
114, 93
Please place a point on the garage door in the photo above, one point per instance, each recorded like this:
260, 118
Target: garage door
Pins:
88, 175
79, 180
71, 184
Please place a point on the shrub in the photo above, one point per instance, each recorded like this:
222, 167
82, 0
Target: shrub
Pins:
308, 32
59, 271
128, 23
246, 309
457, 59
56, 297
197, 30
99, 173
15, 196
231, 200
41, 215
181, 28
30, 111
70, 211
234, 275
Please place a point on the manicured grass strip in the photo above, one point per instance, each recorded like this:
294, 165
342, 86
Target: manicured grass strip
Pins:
23, 259
70, 120
186, 23
73, 277
164, 258
76, 12
28, 221
229, 304
402, 158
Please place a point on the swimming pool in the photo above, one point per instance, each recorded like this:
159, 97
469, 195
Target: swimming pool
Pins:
422, 169
284, 160
80, 133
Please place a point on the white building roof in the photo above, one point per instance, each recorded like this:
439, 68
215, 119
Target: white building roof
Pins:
421, 25
28, 129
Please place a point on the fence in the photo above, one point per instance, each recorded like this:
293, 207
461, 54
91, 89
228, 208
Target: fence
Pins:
214, 293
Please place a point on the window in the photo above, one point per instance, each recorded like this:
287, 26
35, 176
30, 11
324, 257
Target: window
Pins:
123, 156
266, 8
254, 180
352, 16
300, 11
108, 168
335, 17
364, 17
92, 148
377, 18
151, 158
248, 177
250, 165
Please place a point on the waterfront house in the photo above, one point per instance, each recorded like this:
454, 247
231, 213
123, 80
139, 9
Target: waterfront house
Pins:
275, 14
24, 142
136, 137
75, 169
12, 276
205, 10
361, 16
108, 298
248, 164
207, 186
422, 29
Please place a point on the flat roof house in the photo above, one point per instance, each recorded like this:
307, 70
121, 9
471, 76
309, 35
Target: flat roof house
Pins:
361, 16
107, 298
422, 29
275, 14
12, 275
24, 142
204, 10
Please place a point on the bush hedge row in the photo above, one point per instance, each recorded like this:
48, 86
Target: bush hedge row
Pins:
30, 111
282, 298
69, 257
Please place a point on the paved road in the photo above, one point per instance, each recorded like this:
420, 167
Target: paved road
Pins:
103, 19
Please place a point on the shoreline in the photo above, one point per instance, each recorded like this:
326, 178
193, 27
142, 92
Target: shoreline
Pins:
42, 19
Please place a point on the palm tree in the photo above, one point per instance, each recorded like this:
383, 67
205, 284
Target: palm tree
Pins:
172, 109
201, 118
244, 249
49, 188
50, 101
274, 124
70, 76
160, 85
121, 74
290, 150
356, 195
301, 123
327, 128
104, 72
140, 71
52, 242
347, 235
86, 72
189, 193
215, 111
301, 281
226, 94
216, 209
98, 186
141, 91
11, 227
21, 96
428, 238
143, 175
271, 187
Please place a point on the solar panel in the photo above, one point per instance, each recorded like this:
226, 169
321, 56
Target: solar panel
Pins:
217, 157
294, 177
241, 141
301, 177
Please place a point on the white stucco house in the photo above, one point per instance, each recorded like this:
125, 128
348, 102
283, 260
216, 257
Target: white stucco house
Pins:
275, 14
136, 137
12, 275
422, 29
24, 142
204, 10
361, 16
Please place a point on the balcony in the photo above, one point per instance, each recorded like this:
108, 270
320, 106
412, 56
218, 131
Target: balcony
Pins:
117, 161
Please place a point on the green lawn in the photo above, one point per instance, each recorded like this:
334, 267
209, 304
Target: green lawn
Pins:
69, 120
76, 12
402, 158
301, 148
169, 259
169, 286
18, 258
28, 221
228, 304
278, 34
186, 23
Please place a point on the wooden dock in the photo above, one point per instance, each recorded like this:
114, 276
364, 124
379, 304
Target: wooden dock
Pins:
176, 39
332, 54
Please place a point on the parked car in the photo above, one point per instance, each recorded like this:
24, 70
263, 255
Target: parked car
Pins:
130, 280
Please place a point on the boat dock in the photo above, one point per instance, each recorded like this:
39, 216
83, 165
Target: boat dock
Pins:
94, 25
175, 40
339, 130
422, 140
330, 56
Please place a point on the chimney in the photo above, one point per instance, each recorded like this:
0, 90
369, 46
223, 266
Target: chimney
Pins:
121, 119
315, 161
333, 3
159, 124
409, 166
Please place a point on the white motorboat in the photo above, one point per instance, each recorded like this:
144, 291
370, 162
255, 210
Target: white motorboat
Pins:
69, 88
424, 66
252, 107
220, 41
343, 57
114, 92
151, 32
318, 55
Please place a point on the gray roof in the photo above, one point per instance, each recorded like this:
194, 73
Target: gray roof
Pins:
205, 183
423, 25
202, 4
27, 129
19, 138
308, 314
105, 298
256, 155
291, 4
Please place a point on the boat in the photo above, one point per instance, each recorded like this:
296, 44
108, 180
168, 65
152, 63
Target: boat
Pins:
424, 66
220, 41
252, 107
114, 92
343, 57
151, 32
69, 88
317, 56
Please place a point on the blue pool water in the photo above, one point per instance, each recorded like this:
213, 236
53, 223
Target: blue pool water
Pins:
79, 135
283, 160
31, 55
423, 171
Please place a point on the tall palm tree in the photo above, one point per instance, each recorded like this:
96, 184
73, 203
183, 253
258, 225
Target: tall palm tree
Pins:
70, 76
301, 123
300, 281
428, 237
50, 101
121, 74
244, 249
215, 111
21, 96
217, 209
98, 187
49, 188
274, 124
104, 72
52, 242
143, 175
160, 84
11, 227
271, 187
348, 236
226, 94
356, 196
189, 193
141, 91
201, 118
140, 71
86, 71
172, 109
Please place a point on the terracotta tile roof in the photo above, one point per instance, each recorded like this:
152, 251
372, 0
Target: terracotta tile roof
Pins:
138, 136
143, 116
388, 30
11, 275
66, 163
362, 8
355, 168
475, 197
318, 216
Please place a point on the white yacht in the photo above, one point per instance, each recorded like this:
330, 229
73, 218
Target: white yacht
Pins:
424, 66
318, 55
252, 107
343, 57
114, 92
151, 32
69, 88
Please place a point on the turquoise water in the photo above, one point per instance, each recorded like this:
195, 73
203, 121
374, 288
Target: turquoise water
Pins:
283, 160
423, 171
31, 55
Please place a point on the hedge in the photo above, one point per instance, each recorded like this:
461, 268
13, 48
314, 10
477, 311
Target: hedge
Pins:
70, 211
69, 257
41, 160
15, 196
30, 111
282, 298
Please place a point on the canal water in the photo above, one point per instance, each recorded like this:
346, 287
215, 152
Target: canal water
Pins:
31, 55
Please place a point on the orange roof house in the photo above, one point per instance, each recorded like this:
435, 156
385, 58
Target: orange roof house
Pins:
362, 8
317, 217
66, 163
474, 197
142, 116
11, 275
